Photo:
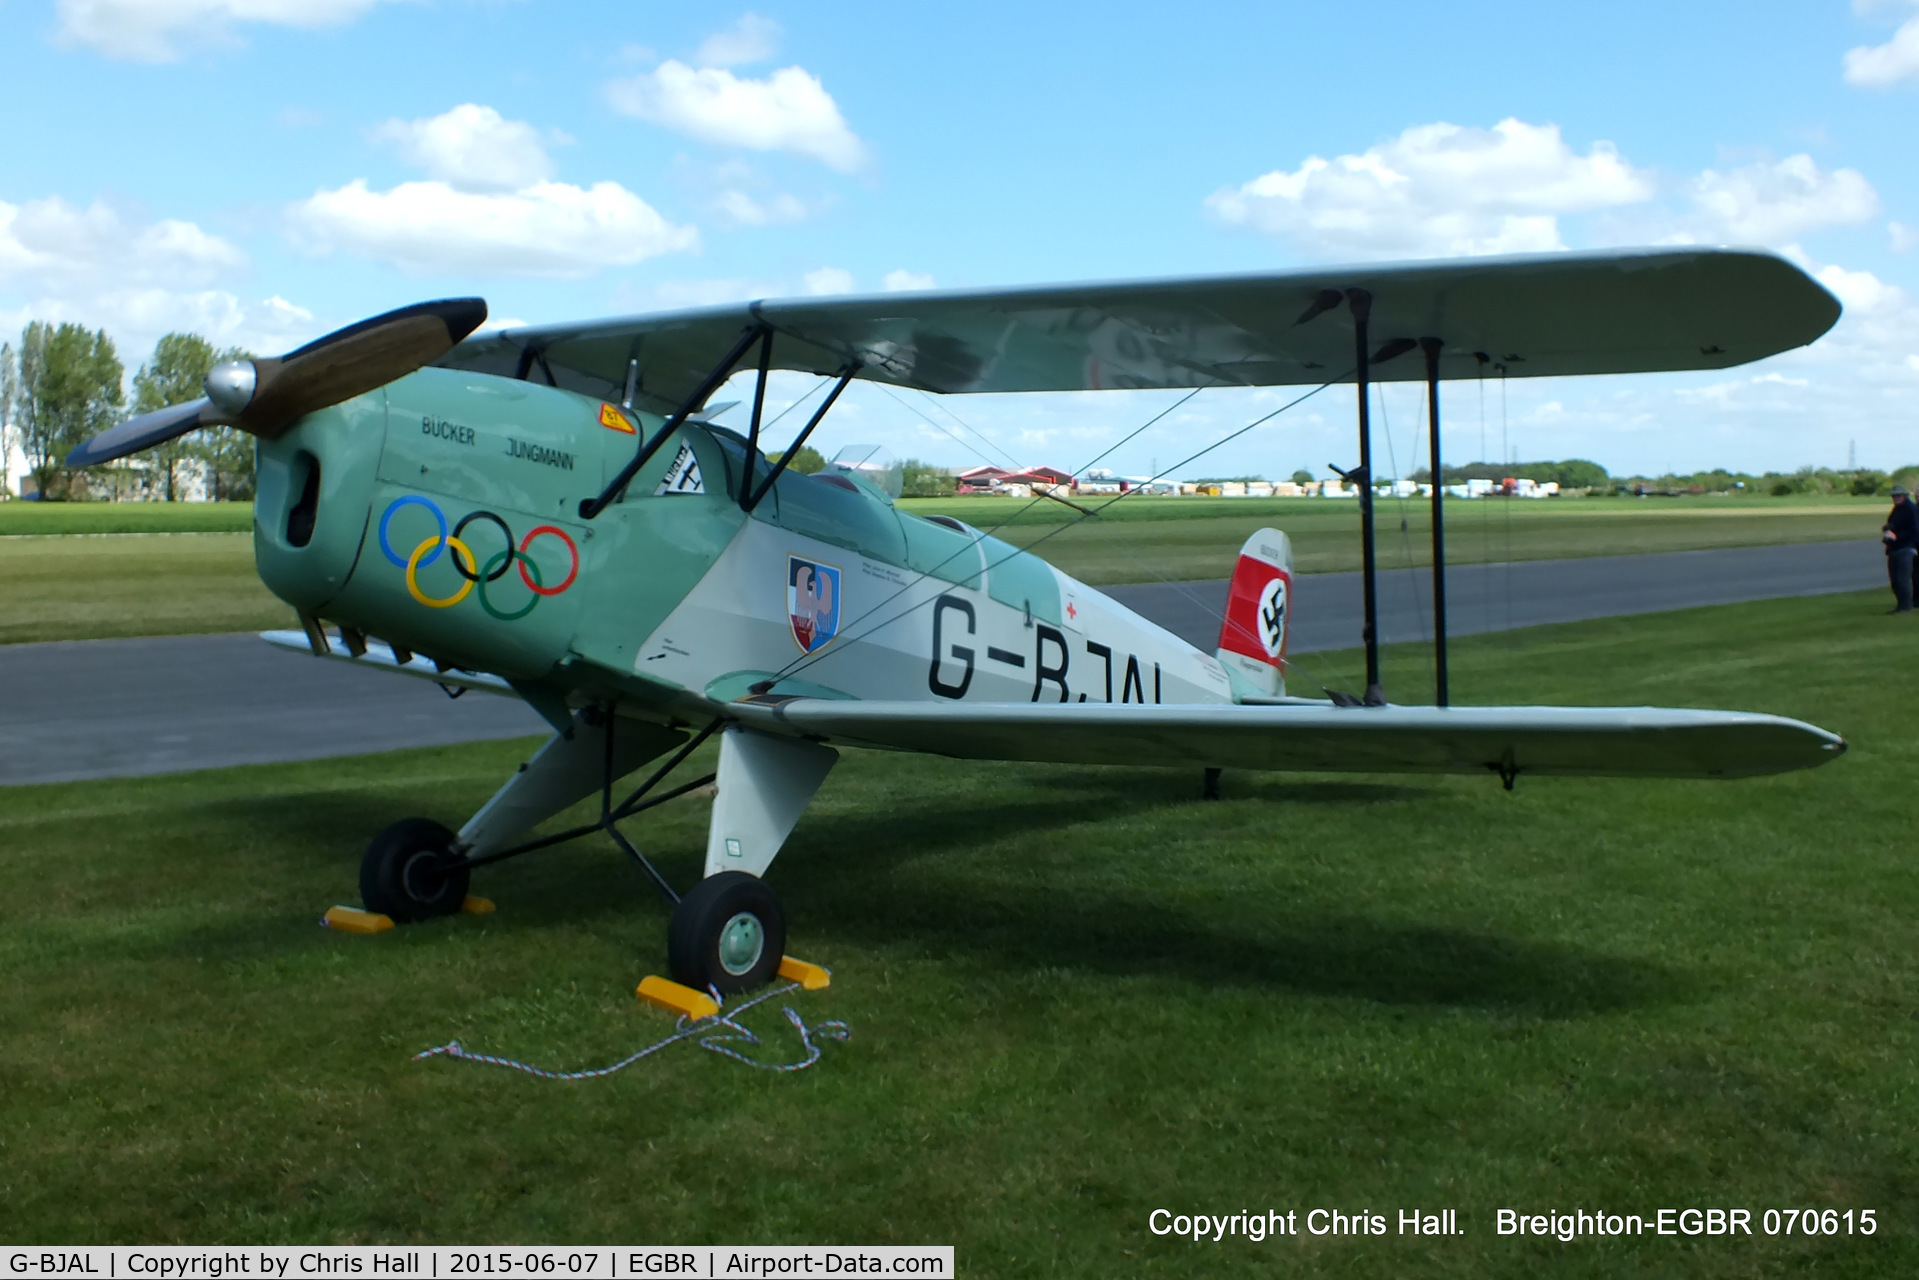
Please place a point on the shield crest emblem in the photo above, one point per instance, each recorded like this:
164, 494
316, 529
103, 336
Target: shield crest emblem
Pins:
812, 602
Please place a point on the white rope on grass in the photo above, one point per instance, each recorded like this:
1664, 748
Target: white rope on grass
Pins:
720, 1044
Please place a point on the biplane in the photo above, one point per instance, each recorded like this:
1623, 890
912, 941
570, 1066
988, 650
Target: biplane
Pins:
550, 513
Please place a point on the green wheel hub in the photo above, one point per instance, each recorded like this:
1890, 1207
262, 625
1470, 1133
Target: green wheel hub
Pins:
742, 939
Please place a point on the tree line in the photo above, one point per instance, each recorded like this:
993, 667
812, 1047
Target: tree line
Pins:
65, 383
1857, 481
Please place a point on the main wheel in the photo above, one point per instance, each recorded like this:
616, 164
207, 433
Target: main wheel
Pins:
727, 933
411, 872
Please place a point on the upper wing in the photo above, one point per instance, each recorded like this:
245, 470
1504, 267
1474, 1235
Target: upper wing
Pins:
1626, 311
1629, 742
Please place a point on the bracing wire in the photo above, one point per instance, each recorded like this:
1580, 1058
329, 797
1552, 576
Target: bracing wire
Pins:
1191, 597
955, 417
804, 661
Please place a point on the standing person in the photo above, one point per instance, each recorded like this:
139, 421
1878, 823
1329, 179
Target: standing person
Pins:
1901, 534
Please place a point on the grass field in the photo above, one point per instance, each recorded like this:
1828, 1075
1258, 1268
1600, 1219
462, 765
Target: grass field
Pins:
18, 518
1076, 996
1180, 539
68, 588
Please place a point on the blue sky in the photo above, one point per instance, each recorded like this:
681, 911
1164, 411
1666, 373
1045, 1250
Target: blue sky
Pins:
262, 171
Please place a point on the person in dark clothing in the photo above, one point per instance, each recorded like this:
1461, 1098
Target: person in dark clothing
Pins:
1901, 534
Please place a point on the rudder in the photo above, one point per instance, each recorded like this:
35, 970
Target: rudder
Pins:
1252, 639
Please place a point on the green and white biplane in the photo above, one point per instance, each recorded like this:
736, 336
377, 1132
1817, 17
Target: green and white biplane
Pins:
546, 513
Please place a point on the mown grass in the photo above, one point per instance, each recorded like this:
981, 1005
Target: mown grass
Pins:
1077, 995
1179, 539
67, 588
64, 588
17, 518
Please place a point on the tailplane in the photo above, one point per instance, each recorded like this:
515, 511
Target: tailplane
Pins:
1252, 640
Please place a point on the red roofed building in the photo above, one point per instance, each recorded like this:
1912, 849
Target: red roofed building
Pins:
987, 479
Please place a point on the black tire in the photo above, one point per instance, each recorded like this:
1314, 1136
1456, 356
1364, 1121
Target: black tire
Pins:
715, 929
406, 875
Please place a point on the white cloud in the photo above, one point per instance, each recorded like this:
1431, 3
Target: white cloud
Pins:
751, 39
472, 148
742, 210
829, 280
156, 30
903, 280
788, 111
547, 229
1437, 189
1884, 65
1440, 190
50, 244
488, 207
1772, 204
96, 267
1904, 238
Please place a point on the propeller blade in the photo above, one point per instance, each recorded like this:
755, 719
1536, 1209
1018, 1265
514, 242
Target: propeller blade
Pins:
354, 360
264, 397
138, 433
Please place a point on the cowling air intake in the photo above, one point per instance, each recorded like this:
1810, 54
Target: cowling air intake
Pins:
264, 397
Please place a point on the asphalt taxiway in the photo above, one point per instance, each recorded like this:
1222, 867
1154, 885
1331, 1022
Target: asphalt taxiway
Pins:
119, 708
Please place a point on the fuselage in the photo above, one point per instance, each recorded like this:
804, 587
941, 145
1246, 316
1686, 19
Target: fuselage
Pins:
442, 514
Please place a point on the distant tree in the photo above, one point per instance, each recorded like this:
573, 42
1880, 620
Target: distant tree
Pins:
173, 376
1870, 482
808, 461
1302, 477
1578, 473
70, 389
922, 480
228, 454
176, 375
9, 392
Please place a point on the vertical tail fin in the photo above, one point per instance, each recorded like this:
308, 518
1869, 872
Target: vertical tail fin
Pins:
1252, 640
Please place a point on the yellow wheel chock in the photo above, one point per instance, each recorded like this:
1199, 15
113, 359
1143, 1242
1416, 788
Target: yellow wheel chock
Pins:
675, 998
354, 920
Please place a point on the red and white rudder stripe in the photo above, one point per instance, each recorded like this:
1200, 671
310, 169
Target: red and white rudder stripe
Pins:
1252, 640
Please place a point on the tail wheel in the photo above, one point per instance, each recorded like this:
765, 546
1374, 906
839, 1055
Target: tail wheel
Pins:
411, 872
728, 933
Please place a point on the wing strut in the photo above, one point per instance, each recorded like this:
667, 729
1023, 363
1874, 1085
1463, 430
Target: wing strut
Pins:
750, 496
1361, 303
1431, 347
592, 507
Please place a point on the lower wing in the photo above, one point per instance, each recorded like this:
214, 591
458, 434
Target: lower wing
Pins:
380, 656
1623, 742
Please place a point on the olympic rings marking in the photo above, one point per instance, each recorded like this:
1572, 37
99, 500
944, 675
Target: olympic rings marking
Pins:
572, 573
414, 562
487, 575
411, 500
505, 533
468, 565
